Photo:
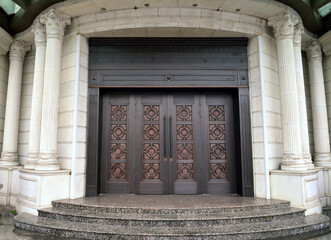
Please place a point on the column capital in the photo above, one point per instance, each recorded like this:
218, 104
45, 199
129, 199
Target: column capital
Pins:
283, 25
313, 50
55, 23
39, 31
18, 50
298, 30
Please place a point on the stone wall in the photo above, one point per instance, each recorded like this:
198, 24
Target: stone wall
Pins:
66, 109
272, 109
4, 68
25, 106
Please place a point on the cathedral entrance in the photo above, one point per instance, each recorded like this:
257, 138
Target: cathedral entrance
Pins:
169, 116
168, 142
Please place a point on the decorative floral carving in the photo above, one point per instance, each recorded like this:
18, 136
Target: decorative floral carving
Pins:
118, 113
218, 171
151, 170
117, 171
185, 171
39, 31
55, 23
18, 50
151, 113
298, 30
216, 113
184, 151
151, 151
313, 49
217, 131
217, 151
118, 151
283, 25
151, 132
184, 131
118, 132
184, 113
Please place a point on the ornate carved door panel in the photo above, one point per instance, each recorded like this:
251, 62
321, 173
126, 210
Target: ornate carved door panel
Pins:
164, 142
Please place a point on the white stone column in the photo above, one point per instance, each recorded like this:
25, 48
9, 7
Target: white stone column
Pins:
55, 23
16, 58
283, 26
298, 29
322, 156
37, 93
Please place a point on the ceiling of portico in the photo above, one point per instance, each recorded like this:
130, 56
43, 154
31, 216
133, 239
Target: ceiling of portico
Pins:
18, 15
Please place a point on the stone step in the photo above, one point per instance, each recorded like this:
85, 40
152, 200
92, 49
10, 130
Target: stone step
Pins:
172, 220
309, 226
141, 204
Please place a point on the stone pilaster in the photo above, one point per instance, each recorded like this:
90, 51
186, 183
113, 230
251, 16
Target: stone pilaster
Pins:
322, 156
38, 82
17, 53
55, 23
283, 26
298, 29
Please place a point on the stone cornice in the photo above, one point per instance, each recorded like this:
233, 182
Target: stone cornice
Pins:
313, 50
39, 31
18, 50
5, 41
55, 23
325, 40
283, 25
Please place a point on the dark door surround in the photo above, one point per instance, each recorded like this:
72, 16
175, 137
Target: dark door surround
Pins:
239, 90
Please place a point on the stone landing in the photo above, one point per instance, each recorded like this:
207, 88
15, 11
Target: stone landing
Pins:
174, 216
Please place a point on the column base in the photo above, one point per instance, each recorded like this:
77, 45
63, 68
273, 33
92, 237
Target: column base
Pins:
31, 161
9, 159
308, 161
322, 159
293, 162
39, 188
298, 187
10, 184
47, 162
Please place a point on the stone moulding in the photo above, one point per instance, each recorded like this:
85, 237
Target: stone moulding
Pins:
5, 41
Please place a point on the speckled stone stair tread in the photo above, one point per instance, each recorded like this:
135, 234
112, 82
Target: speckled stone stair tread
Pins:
277, 228
90, 215
154, 208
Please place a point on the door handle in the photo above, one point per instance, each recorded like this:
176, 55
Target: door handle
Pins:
164, 138
170, 136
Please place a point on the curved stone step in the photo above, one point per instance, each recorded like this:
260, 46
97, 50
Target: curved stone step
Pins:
176, 204
172, 220
309, 226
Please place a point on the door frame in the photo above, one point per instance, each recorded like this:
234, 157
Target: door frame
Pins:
241, 111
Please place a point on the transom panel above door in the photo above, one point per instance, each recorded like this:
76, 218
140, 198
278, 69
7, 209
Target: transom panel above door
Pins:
168, 142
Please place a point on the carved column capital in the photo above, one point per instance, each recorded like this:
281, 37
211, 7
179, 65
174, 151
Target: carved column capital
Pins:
18, 50
55, 23
314, 50
298, 30
283, 25
39, 31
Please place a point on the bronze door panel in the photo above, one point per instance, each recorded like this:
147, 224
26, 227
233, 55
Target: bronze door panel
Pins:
164, 142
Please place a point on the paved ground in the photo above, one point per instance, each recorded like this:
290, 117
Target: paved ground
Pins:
7, 231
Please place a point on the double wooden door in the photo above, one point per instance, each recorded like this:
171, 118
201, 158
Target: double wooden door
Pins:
167, 142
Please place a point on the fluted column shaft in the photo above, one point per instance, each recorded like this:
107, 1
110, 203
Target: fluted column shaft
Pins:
55, 23
322, 156
37, 93
16, 58
298, 29
283, 26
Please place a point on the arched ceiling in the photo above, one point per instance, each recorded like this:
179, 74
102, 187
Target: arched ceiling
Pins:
18, 15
